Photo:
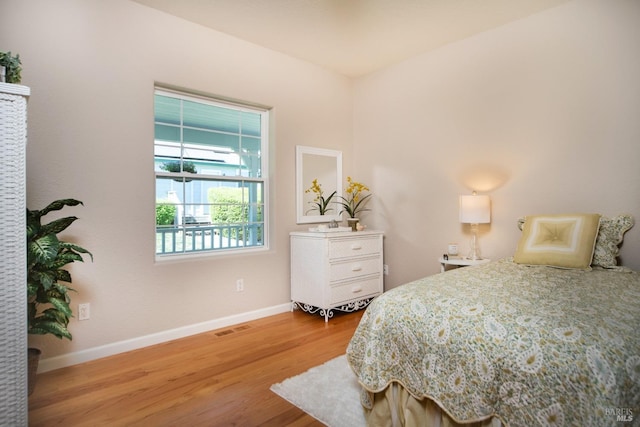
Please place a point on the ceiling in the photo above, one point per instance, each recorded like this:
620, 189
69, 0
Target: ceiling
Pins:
351, 37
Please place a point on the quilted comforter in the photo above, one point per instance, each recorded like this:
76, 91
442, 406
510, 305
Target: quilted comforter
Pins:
529, 345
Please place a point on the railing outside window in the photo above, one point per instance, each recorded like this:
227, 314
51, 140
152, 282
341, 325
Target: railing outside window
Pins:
171, 239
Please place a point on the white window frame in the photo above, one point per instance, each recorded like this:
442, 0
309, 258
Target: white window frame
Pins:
263, 179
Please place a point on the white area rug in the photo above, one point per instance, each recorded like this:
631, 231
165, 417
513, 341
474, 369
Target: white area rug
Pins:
330, 393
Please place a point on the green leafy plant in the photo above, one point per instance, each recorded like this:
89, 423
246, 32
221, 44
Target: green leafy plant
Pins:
228, 208
175, 167
355, 202
319, 203
47, 296
13, 67
165, 213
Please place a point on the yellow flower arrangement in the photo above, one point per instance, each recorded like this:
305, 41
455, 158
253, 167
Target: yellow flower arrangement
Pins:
355, 202
319, 203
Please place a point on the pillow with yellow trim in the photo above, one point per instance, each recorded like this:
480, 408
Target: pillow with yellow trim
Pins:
565, 241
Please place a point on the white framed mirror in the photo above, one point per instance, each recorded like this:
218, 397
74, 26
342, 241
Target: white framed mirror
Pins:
325, 166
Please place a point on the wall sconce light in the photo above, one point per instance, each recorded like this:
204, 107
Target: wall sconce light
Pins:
475, 210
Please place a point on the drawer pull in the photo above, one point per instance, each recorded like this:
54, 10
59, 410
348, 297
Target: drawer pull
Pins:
356, 289
356, 247
357, 267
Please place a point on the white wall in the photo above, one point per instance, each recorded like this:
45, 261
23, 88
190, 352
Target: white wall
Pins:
91, 66
541, 114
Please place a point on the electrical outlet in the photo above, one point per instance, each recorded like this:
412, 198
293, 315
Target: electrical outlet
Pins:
385, 269
239, 285
84, 311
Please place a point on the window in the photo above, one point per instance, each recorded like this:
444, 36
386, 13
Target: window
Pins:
210, 166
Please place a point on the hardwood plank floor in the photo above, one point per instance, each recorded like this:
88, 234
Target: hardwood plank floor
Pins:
218, 378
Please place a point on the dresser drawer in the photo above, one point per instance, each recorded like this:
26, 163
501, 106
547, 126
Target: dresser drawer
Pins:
352, 269
354, 290
354, 247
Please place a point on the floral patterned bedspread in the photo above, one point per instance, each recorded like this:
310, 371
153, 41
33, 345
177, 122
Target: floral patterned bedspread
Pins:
530, 345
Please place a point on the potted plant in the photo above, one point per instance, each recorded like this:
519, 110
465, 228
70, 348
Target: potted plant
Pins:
48, 309
355, 202
177, 166
319, 203
12, 67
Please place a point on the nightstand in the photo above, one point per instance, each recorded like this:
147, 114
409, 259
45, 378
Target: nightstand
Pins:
460, 262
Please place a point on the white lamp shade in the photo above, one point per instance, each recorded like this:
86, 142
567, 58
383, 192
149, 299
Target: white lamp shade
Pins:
475, 209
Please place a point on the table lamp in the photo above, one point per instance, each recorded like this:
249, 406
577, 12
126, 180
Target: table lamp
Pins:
475, 210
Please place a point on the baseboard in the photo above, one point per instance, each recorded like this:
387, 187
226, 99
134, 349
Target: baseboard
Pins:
157, 338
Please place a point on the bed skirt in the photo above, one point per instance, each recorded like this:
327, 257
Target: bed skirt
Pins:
395, 407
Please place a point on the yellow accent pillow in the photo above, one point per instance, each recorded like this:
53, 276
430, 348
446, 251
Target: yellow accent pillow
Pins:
565, 241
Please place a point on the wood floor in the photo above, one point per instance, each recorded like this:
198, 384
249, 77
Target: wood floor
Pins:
219, 378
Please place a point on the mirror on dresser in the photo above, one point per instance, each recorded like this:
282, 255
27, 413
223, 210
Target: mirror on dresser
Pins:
325, 166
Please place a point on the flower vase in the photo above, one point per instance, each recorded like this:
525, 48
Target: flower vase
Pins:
353, 223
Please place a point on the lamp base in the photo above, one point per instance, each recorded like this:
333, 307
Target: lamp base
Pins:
474, 252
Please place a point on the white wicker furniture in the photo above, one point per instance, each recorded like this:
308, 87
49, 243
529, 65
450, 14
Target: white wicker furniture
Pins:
335, 270
13, 273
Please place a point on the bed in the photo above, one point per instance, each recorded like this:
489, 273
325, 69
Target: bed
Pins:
509, 342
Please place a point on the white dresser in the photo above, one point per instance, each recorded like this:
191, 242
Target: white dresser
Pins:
335, 270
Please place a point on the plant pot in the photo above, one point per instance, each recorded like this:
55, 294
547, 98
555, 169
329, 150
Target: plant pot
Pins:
34, 359
353, 223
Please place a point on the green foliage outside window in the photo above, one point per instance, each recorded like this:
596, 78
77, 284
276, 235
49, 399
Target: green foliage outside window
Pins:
176, 166
165, 213
227, 208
